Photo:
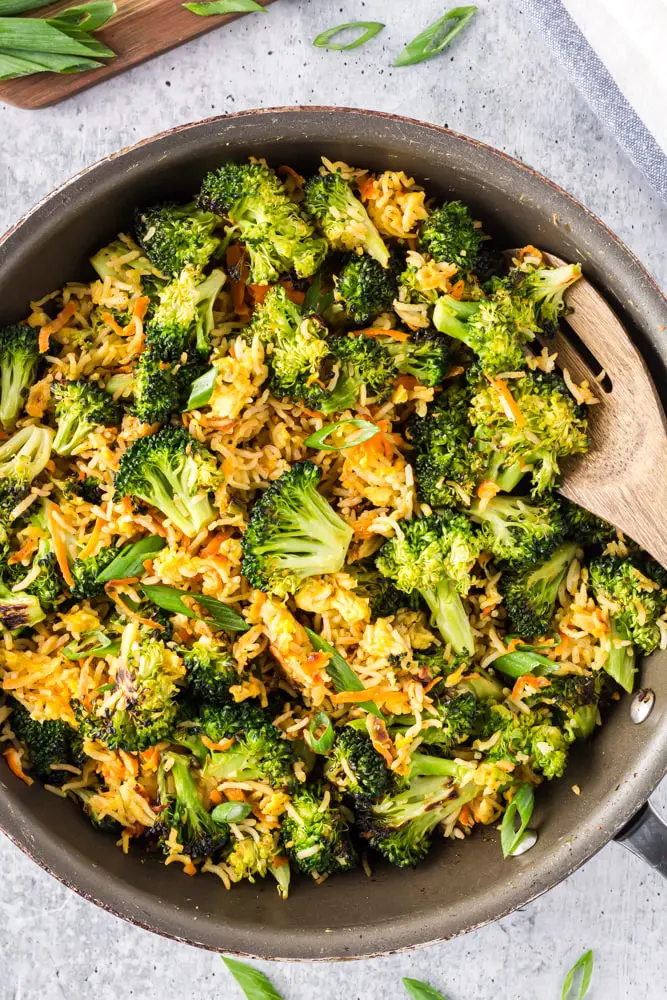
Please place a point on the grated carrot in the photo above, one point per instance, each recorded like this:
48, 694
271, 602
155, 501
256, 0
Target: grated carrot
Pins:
14, 764
117, 599
235, 794
466, 816
367, 188
528, 680
210, 745
26, 549
107, 318
507, 401
55, 325
215, 797
59, 544
374, 331
457, 289
91, 544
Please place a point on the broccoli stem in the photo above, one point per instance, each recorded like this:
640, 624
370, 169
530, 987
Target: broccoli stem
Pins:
189, 515
620, 663
449, 616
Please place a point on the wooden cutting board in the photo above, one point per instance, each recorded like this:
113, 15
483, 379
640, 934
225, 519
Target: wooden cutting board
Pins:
140, 30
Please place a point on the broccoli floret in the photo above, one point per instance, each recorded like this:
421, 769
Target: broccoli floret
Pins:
22, 457
293, 533
80, 407
401, 824
365, 288
342, 218
551, 426
259, 753
452, 720
530, 593
223, 721
493, 328
123, 261
249, 858
105, 824
174, 473
210, 671
176, 235
199, 835
19, 354
446, 466
638, 603
356, 768
44, 581
17, 611
424, 356
48, 743
384, 598
141, 710
85, 573
88, 489
183, 318
317, 838
544, 288
527, 738
587, 528
363, 363
518, 531
277, 237
575, 699
450, 235
161, 387
434, 556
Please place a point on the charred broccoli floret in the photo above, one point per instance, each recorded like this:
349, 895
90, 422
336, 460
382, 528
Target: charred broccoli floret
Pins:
544, 425
276, 235
575, 701
342, 218
530, 593
210, 671
101, 822
19, 354
435, 556
198, 834
450, 235
176, 235
384, 598
316, 836
80, 407
519, 531
293, 533
446, 466
451, 721
356, 768
88, 489
365, 288
48, 744
173, 472
22, 457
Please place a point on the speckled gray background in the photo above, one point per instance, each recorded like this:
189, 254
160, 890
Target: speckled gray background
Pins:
500, 84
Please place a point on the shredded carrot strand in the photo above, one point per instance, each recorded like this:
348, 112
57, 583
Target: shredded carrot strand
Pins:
527, 680
210, 745
26, 549
14, 764
507, 401
55, 325
113, 323
215, 796
117, 599
91, 544
235, 794
59, 544
373, 331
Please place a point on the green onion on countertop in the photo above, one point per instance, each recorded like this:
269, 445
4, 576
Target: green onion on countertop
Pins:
578, 978
436, 37
368, 29
421, 991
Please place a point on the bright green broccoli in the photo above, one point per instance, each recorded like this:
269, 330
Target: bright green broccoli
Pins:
435, 556
161, 388
519, 531
80, 407
199, 835
210, 671
105, 824
450, 235
250, 858
176, 235
85, 573
315, 834
544, 287
451, 721
551, 426
48, 744
342, 218
586, 528
173, 472
446, 466
424, 356
637, 604
40, 577
259, 752
363, 364
356, 768
293, 533
22, 457
529, 738
269, 224
530, 592
495, 329
183, 317
384, 598
574, 699
19, 354
365, 288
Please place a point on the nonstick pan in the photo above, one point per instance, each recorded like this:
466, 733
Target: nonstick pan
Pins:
462, 885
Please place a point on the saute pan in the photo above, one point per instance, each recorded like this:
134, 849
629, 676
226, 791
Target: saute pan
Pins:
463, 885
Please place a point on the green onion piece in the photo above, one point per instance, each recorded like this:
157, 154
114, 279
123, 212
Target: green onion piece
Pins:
582, 970
105, 687
436, 37
421, 991
18, 63
201, 390
523, 803
521, 662
88, 17
323, 743
367, 430
171, 599
315, 300
340, 672
225, 7
32, 34
254, 983
369, 29
231, 812
10, 7
93, 643
131, 558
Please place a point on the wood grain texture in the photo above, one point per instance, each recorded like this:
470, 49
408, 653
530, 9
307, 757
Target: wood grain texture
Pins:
140, 30
623, 478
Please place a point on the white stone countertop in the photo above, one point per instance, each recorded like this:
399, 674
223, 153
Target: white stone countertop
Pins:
499, 83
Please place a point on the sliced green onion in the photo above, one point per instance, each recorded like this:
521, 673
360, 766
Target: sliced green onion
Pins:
523, 803
10, 7
171, 599
341, 673
324, 742
521, 662
88, 17
93, 643
254, 983
436, 37
369, 29
105, 687
421, 991
131, 558
231, 812
367, 430
32, 34
201, 390
581, 971
225, 7
24, 63
316, 300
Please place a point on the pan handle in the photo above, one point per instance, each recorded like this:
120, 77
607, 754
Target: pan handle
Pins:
646, 836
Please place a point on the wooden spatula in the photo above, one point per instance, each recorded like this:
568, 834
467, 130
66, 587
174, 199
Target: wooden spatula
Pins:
623, 478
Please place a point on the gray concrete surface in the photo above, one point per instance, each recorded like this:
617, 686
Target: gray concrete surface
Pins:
500, 84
